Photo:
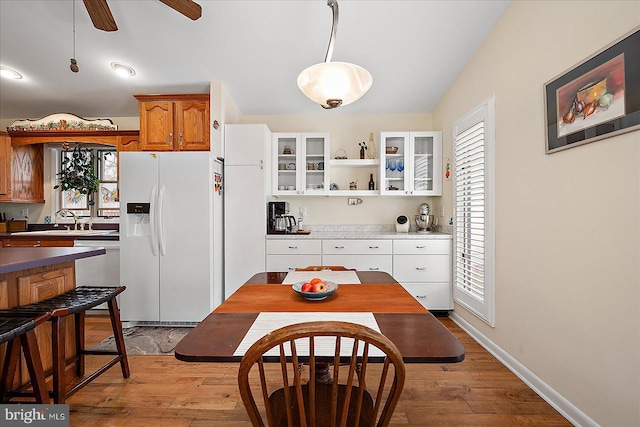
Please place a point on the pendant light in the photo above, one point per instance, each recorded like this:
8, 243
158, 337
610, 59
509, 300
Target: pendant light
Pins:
332, 84
74, 63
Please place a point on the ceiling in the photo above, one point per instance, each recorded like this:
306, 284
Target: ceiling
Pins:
413, 49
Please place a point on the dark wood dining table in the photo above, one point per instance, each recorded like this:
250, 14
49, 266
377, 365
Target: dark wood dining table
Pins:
419, 336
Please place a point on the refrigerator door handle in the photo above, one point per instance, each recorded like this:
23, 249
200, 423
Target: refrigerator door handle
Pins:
161, 221
152, 221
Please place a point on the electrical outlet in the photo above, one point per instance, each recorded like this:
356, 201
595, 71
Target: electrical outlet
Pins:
24, 212
353, 201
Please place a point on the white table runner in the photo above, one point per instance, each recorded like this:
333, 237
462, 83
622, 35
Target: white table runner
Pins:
339, 277
269, 322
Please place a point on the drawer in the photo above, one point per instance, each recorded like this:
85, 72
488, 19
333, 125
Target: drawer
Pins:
294, 246
433, 296
427, 246
291, 262
422, 268
361, 262
365, 247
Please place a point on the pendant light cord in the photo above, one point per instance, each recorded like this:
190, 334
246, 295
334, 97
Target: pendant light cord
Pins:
74, 28
333, 4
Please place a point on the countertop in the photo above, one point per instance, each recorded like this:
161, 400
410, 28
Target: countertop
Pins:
17, 259
360, 234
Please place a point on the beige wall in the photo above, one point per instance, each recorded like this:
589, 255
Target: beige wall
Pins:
346, 131
567, 224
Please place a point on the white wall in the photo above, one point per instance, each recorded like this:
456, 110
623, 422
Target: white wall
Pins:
346, 131
567, 224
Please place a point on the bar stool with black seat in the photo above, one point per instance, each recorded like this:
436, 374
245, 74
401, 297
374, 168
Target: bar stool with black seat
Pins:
18, 331
76, 302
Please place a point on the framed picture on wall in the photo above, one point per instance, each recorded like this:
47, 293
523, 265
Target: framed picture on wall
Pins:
596, 99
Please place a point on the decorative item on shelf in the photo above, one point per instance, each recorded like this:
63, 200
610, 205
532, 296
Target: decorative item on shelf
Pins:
332, 84
341, 154
334, 186
353, 185
363, 149
286, 150
372, 184
371, 151
61, 122
391, 150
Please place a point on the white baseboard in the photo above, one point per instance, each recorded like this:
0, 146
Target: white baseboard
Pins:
552, 397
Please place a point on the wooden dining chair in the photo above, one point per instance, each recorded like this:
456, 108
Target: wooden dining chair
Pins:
359, 391
325, 267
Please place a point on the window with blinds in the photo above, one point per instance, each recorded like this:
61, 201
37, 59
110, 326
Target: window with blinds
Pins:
473, 211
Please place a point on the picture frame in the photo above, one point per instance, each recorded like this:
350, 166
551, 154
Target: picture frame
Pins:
74, 200
595, 99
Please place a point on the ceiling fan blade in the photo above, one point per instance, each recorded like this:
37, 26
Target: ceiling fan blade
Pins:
100, 15
188, 8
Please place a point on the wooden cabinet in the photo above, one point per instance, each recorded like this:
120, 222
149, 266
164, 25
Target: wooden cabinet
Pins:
174, 122
415, 169
35, 243
21, 172
300, 164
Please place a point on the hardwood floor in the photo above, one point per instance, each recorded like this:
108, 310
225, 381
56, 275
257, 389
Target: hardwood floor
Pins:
163, 391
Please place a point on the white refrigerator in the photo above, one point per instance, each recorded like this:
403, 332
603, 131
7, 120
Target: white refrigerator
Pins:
170, 237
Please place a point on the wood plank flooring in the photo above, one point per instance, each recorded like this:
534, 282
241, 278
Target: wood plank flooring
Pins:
163, 391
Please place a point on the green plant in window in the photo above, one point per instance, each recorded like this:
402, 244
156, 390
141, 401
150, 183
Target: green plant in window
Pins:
78, 172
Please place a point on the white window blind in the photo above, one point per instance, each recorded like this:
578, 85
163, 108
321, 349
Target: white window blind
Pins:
473, 210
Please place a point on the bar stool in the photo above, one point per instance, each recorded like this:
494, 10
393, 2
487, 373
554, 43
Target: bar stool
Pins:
19, 332
76, 302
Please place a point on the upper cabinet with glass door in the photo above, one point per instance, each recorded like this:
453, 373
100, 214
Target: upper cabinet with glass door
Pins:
299, 164
411, 163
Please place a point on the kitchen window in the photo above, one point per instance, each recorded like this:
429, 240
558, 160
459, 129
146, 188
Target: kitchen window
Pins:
474, 236
104, 203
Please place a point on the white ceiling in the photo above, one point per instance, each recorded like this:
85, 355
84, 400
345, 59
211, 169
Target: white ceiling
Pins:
413, 49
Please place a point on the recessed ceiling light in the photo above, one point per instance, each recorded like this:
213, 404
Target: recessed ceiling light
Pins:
9, 73
123, 70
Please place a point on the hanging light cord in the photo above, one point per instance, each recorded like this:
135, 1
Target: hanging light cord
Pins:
333, 4
74, 28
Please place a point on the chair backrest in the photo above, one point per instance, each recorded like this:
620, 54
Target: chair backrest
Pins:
342, 385
325, 267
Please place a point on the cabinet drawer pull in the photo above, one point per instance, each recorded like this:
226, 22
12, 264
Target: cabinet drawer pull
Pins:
339, 247
374, 247
292, 268
293, 247
169, 139
180, 138
420, 247
421, 268
374, 268
421, 296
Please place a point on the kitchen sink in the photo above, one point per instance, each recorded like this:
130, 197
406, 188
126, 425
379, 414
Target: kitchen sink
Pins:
63, 232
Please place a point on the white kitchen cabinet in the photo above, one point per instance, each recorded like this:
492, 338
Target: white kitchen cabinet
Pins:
289, 254
415, 169
366, 255
300, 164
246, 189
423, 268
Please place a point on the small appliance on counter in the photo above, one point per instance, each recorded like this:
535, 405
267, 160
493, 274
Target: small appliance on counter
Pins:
424, 221
278, 220
402, 224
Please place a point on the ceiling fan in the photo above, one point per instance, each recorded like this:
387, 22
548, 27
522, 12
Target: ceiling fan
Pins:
103, 19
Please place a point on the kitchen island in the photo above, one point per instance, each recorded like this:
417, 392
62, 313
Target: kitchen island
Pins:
29, 275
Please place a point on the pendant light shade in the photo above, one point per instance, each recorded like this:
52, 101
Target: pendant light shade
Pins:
332, 84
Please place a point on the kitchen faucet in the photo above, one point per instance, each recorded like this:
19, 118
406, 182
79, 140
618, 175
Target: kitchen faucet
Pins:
65, 212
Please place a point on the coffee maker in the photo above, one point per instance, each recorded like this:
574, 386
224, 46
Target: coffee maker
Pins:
278, 220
